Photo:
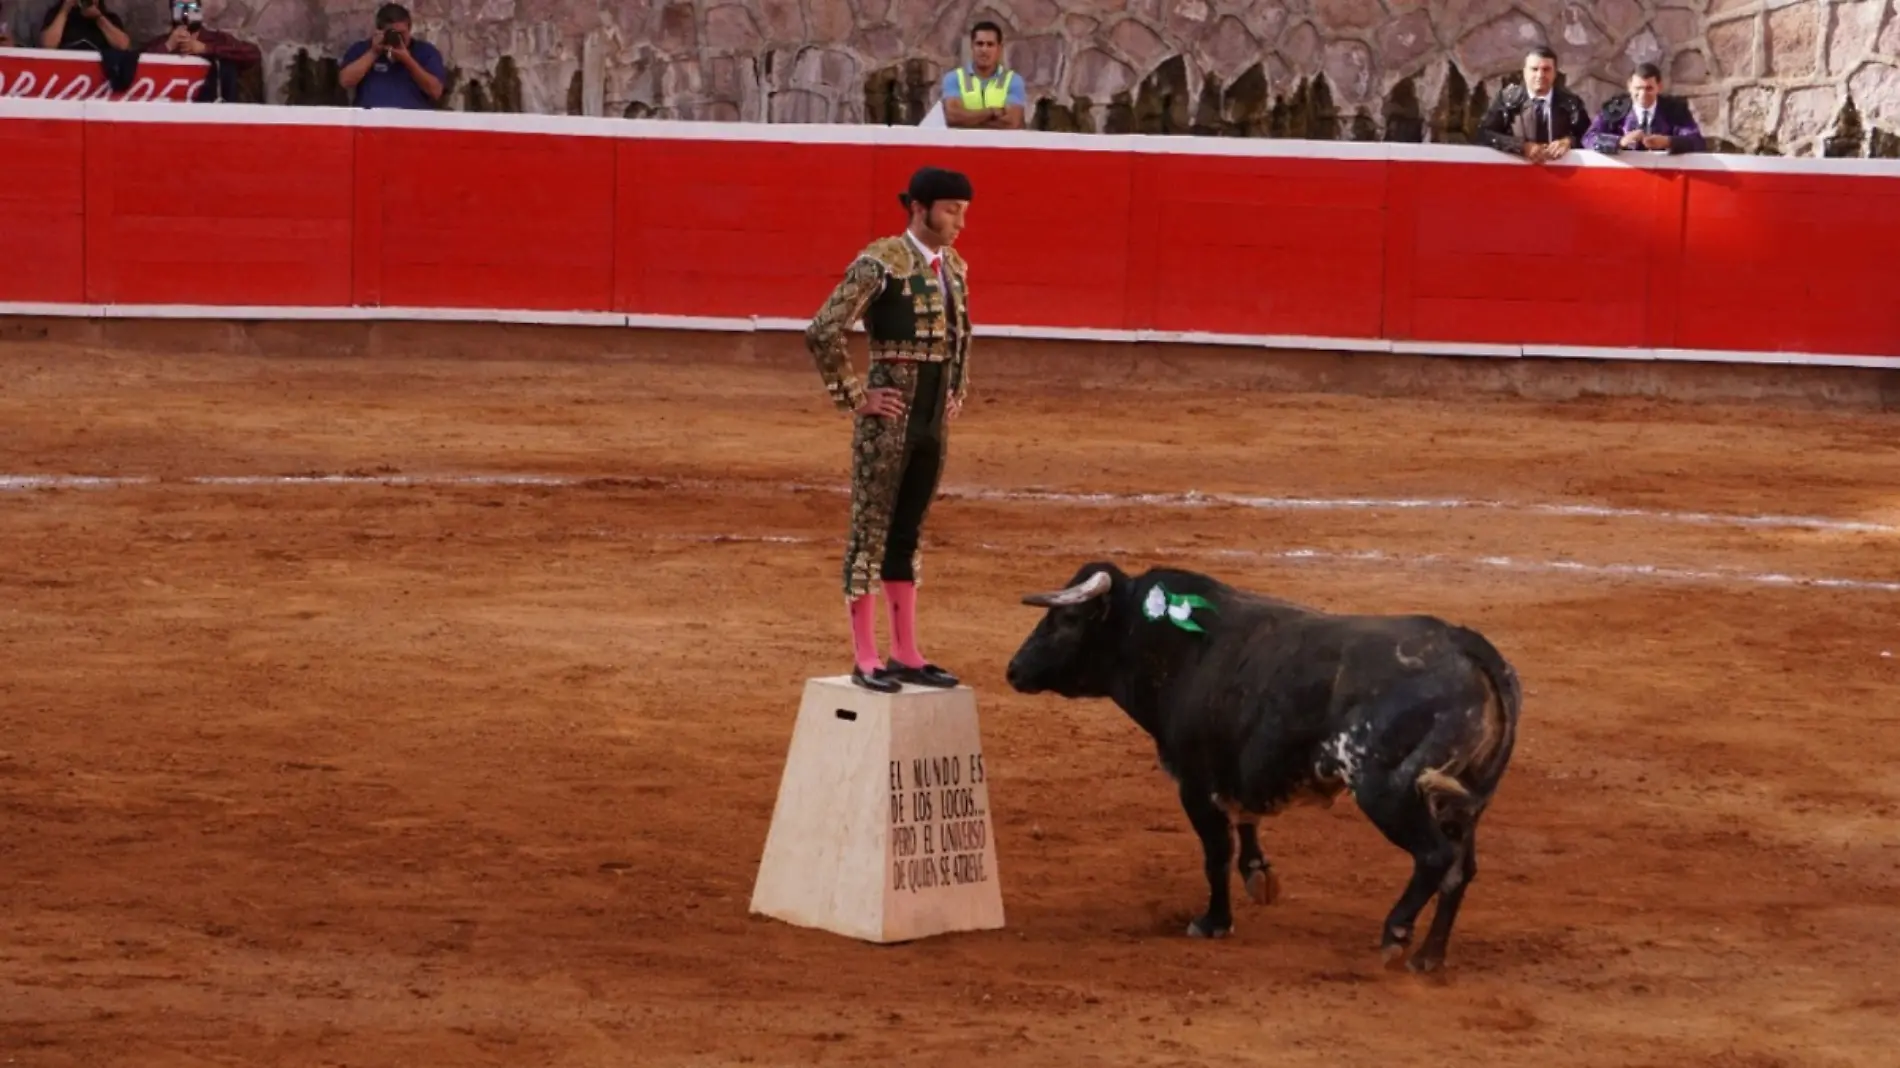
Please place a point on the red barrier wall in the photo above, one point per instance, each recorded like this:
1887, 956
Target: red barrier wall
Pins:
1376, 243
42, 211
190, 214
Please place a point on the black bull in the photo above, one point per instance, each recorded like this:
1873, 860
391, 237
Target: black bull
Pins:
1269, 704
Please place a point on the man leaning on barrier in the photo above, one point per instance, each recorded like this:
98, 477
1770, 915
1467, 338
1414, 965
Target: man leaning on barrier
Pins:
985, 95
229, 57
1538, 120
393, 69
1645, 119
83, 24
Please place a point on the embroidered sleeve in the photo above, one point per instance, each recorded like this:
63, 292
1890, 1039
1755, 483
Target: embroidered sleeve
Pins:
960, 369
825, 337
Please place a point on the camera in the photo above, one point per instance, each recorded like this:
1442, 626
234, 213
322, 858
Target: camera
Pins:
392, 39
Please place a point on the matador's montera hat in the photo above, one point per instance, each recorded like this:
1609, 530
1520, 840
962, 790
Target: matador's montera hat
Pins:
931, 184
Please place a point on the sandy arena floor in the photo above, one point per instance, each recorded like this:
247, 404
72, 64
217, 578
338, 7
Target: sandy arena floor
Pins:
450, 773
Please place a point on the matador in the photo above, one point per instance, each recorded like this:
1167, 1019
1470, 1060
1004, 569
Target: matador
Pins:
909, 290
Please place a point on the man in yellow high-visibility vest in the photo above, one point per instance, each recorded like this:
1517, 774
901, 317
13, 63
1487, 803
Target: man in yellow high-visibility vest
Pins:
985, 95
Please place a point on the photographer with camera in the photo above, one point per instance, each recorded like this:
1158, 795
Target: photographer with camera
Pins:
229, 57
391, 69
83, 24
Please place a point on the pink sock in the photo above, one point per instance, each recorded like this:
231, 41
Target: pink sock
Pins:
864, 634
903, 598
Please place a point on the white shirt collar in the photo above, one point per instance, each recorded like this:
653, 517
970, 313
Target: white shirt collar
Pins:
919, 245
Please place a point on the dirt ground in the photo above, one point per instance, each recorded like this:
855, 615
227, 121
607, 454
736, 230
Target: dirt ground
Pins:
451, 773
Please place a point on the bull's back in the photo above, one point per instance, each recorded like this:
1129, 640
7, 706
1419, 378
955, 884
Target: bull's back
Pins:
1421, 657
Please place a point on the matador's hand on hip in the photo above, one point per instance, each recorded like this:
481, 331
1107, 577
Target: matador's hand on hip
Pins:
883, 402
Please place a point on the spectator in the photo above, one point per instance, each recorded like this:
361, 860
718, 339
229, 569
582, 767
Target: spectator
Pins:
1537, 119
83, 24
984, 95
228, 56
392, 69
1645, 120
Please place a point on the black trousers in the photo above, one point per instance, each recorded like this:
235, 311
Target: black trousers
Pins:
921, 463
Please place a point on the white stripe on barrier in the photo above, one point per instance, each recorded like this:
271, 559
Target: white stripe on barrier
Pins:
1187, 499
1455, 348
741, 324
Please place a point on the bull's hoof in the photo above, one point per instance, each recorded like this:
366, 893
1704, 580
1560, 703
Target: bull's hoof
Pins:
1393, 947
1424, 962
1263, 886
1206, 927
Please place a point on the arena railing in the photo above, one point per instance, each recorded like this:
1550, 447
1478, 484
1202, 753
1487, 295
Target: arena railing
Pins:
242, 212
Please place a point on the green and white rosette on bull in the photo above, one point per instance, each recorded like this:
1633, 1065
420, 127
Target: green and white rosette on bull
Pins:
1176, 608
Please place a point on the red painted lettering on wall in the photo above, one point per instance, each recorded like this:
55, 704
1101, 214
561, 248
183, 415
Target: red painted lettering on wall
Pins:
53, 75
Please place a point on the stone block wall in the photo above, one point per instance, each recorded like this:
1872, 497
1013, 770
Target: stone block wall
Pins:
1795, 77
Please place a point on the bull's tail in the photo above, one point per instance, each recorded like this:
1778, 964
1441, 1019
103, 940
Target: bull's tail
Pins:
1458, 777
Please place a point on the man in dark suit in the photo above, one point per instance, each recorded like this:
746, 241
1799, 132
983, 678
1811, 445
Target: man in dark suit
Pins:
1645, 119
1537, 119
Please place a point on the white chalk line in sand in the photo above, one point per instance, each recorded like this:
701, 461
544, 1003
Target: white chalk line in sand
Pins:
1374, 556
1189, 499
1652, 571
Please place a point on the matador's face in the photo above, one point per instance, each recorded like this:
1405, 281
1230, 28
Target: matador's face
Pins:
945, 219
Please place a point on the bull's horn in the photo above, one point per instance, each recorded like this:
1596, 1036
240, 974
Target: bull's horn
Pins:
1088, 589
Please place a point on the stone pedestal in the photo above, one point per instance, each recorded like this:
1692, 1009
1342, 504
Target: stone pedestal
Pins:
882, 828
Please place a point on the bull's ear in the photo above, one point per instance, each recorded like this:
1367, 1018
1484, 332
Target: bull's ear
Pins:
1088, 589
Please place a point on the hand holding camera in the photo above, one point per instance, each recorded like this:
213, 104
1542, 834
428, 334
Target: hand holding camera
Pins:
392, 42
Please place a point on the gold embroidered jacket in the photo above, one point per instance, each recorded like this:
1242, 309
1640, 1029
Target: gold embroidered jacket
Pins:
891, 287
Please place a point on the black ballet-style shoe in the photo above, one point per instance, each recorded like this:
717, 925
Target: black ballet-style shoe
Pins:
927, 675
878, 681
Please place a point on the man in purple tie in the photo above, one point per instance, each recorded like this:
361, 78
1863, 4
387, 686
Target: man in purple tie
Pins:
1645, 119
